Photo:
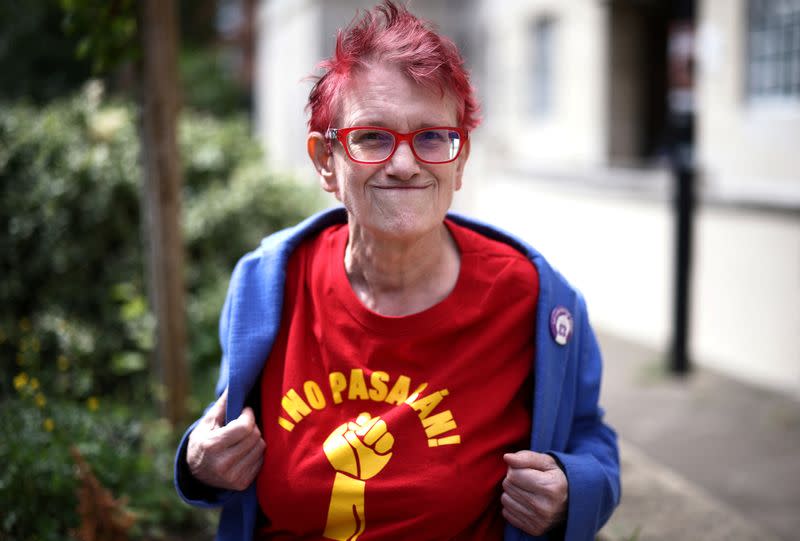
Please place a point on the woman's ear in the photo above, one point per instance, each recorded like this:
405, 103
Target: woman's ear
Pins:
321, 154
461, 162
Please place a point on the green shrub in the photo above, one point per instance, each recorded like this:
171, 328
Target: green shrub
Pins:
129, 455
69, 233
75, 326
206, 85
71, 256
38, 59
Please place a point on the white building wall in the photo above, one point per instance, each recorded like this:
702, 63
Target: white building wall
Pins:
746, 148
618, 250
573, 134
287, 51
615, 249
746, 307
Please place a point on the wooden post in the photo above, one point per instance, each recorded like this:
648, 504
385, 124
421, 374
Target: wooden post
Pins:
158, 28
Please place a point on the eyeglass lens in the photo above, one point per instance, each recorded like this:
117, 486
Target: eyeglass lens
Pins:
371, 145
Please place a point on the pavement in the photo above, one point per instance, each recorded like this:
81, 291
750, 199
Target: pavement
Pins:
703, 456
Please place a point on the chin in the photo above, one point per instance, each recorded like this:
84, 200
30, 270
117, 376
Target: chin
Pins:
405, 225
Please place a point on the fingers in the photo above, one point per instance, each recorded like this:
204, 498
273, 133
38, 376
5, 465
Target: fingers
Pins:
374, 434
552, 484
363, 418
529, 459
217, 411
379, 438
534, 513
366, 425
248, 466
533, 472
375, 431
340, 452
524, 522
529, 479
522, 498
384, 444
240, 428
535, 492
355, 443
229, 456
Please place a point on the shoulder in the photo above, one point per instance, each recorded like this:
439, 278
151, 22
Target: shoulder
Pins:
288, 239
265, 266
505, 244
554, 288
492, 259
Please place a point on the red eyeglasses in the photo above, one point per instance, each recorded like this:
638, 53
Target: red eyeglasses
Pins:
373, 144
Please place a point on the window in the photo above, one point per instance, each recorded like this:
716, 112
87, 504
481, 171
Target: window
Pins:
773, 49
542, 54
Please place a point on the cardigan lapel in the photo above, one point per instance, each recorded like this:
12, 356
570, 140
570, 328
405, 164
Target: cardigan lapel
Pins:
255, 318
258, 302
550, 362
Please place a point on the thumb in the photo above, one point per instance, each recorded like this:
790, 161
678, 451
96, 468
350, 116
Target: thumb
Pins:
530, 459
216, 412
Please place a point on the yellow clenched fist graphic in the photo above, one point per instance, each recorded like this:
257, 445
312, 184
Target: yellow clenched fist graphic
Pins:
360, 449
357, 451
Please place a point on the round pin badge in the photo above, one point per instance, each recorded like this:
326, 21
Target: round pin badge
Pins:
561, 325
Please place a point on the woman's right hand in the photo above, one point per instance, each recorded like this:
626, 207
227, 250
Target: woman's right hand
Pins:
225, 456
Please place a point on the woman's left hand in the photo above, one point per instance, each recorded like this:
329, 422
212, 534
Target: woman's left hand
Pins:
534, 492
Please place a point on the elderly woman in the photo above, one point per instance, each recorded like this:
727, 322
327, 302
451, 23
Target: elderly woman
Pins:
391, 371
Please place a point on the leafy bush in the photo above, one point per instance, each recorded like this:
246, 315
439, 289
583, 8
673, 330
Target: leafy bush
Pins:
206, 85
71, 255
69, 235
131, 457
38, 59
75, 326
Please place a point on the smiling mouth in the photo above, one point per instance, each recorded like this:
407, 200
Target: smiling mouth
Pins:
401, 187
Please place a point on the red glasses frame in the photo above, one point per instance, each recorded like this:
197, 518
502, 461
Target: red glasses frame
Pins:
340, 134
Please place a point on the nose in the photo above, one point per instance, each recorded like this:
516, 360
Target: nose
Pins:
403, 164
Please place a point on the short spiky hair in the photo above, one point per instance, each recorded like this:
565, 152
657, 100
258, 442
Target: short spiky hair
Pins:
392, 34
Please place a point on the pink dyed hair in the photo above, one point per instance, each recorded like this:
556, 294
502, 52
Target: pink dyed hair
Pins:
392, 34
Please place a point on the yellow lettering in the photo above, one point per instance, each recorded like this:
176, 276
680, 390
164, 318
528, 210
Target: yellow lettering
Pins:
438, 424
399, 391
379, 389
285, 423
338, 384
427, 404
415, 394
295, 406
358, 387
314, 395
449, 440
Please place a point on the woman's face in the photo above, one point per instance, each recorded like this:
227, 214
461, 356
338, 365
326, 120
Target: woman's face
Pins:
401, 198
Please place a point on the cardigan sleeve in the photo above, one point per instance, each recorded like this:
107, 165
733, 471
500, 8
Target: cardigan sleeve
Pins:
190, 489
591, 457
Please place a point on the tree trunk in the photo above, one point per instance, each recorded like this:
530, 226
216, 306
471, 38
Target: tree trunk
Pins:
158, 27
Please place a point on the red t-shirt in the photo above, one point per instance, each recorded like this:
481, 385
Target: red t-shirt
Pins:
394, 427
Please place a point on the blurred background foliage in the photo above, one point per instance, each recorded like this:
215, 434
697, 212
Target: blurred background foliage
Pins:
38, 58
76, 329
49, 48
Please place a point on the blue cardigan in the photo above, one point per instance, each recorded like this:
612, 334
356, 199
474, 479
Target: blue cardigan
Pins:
567, 420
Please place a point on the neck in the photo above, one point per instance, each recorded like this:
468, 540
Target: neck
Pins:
397, 277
